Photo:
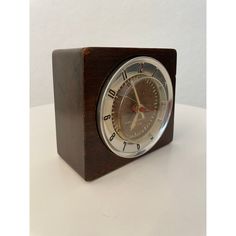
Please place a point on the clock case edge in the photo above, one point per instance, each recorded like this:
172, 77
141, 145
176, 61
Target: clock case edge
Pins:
76, 91
68, 69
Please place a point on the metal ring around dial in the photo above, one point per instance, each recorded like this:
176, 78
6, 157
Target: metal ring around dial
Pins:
103, 100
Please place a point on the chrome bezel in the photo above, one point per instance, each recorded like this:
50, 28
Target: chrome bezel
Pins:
103, 96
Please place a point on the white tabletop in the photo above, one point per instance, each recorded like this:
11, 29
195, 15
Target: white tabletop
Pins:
161, 194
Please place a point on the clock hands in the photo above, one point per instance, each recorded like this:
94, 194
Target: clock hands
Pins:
129, 98
133, 124
137, 97
134, 109
139, 109
135, 92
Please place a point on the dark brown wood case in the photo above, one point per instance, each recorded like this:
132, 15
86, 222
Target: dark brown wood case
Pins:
78, 76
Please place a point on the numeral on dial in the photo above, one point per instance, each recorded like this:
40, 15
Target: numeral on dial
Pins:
112, 137
124, 145
111, 93
138, 146
140, 69
124, 75
107, 117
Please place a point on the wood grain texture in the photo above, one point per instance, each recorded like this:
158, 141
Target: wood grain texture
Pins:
69, 110
79, 75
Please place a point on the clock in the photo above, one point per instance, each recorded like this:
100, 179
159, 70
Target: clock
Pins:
112, 105
135, 106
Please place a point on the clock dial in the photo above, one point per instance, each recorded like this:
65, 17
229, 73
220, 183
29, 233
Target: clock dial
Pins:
134, 107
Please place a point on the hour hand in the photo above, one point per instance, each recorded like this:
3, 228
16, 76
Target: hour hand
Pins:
133, 124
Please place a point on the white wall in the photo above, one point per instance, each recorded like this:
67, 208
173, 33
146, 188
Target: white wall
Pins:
178, 24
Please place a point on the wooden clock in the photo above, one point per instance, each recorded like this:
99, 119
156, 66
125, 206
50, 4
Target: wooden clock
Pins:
112, 105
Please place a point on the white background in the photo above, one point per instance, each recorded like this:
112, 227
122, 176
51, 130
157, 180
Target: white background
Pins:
155, 23
162, 194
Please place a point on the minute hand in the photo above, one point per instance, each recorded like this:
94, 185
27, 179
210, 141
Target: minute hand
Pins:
137, 97
135, 92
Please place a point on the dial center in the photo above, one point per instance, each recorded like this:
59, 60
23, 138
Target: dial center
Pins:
135, 107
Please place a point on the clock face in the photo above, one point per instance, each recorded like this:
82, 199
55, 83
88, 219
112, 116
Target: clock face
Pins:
134, 106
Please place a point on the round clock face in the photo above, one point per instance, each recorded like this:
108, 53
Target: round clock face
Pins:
135, 106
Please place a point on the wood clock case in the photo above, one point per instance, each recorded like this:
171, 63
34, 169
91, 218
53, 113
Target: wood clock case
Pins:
78, 76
